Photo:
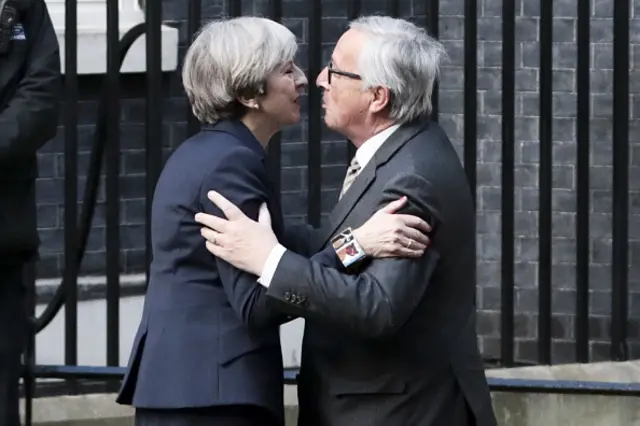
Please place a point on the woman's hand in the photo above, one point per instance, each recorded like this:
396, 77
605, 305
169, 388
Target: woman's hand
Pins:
387, 234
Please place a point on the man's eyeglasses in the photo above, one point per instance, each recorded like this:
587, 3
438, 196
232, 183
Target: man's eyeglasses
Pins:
331, 70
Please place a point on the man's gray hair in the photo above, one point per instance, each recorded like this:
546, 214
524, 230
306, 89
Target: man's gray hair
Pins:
232, 58
402, 57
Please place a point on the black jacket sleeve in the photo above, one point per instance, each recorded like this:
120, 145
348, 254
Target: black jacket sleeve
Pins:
30, 118
240, 179
300, 238
380, 299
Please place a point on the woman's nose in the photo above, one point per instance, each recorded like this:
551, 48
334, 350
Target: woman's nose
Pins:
301, 79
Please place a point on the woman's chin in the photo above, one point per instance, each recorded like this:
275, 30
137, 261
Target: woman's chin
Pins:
295, 118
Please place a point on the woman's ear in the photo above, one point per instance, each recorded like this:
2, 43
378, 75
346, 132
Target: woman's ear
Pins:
250, 103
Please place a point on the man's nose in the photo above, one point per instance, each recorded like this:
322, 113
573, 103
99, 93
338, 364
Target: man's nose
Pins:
323, 80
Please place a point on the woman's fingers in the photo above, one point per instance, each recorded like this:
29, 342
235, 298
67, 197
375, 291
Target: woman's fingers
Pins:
414, 222
394, 206
417, 237
404, 247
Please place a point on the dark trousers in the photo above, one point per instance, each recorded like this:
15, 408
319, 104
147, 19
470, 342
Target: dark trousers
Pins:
456, 411
13, 337
232, 415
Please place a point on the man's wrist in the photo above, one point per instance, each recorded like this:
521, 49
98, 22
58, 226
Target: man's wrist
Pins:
271, 264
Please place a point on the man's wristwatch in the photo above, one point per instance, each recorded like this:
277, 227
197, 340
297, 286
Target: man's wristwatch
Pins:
347, 248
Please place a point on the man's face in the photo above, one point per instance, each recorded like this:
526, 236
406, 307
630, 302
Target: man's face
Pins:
345, 104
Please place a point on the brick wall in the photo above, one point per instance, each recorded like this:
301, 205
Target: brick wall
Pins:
51, 183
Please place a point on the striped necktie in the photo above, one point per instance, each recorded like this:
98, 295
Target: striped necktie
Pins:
352, 173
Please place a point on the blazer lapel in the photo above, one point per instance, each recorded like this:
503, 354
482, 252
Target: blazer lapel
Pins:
366, 177
349, 201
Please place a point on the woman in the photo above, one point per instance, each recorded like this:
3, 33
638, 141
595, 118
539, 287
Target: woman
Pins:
207, 351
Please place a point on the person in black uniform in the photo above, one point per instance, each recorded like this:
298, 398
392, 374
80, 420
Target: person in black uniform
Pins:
29, 90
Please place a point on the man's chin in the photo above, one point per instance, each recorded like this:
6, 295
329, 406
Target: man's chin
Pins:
331, 125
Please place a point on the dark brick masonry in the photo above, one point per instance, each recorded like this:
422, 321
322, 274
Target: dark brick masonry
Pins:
51, 184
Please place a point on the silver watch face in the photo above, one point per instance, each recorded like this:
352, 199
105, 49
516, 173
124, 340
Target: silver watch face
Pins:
347, 248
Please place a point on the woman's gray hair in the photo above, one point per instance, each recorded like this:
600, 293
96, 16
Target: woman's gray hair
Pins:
232, 58
402, 57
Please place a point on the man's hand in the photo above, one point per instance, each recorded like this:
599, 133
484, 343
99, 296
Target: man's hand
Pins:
244, 243
387, 234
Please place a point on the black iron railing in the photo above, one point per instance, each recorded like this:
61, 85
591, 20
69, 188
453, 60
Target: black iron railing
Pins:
107, 147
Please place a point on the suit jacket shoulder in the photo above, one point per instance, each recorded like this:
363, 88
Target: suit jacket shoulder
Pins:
226, 149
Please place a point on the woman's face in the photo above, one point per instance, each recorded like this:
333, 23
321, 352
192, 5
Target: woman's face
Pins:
281, 104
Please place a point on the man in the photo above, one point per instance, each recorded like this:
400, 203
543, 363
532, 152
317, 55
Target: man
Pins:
393, 341
29, 79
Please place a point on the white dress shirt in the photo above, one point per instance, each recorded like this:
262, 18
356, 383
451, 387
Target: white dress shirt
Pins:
364, 154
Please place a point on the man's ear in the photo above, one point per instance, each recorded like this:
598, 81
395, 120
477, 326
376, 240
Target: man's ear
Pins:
381, 98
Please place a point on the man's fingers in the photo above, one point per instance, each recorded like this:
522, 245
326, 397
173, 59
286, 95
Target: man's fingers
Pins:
209, 235
210, 221
394, 206
213, 237
214, 249
228, 208
264, 218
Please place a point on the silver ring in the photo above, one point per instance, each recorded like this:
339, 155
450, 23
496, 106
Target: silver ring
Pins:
410, 244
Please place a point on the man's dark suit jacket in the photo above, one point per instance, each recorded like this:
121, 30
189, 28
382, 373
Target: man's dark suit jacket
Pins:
393, 342
207, 337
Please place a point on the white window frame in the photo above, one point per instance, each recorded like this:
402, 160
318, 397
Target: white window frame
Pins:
92, 36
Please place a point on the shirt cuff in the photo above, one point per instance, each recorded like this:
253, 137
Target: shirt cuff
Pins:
271, 265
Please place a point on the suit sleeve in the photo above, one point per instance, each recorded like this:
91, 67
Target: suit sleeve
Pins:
30, 118
380, 299
239, 178
328, 258
300, 238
